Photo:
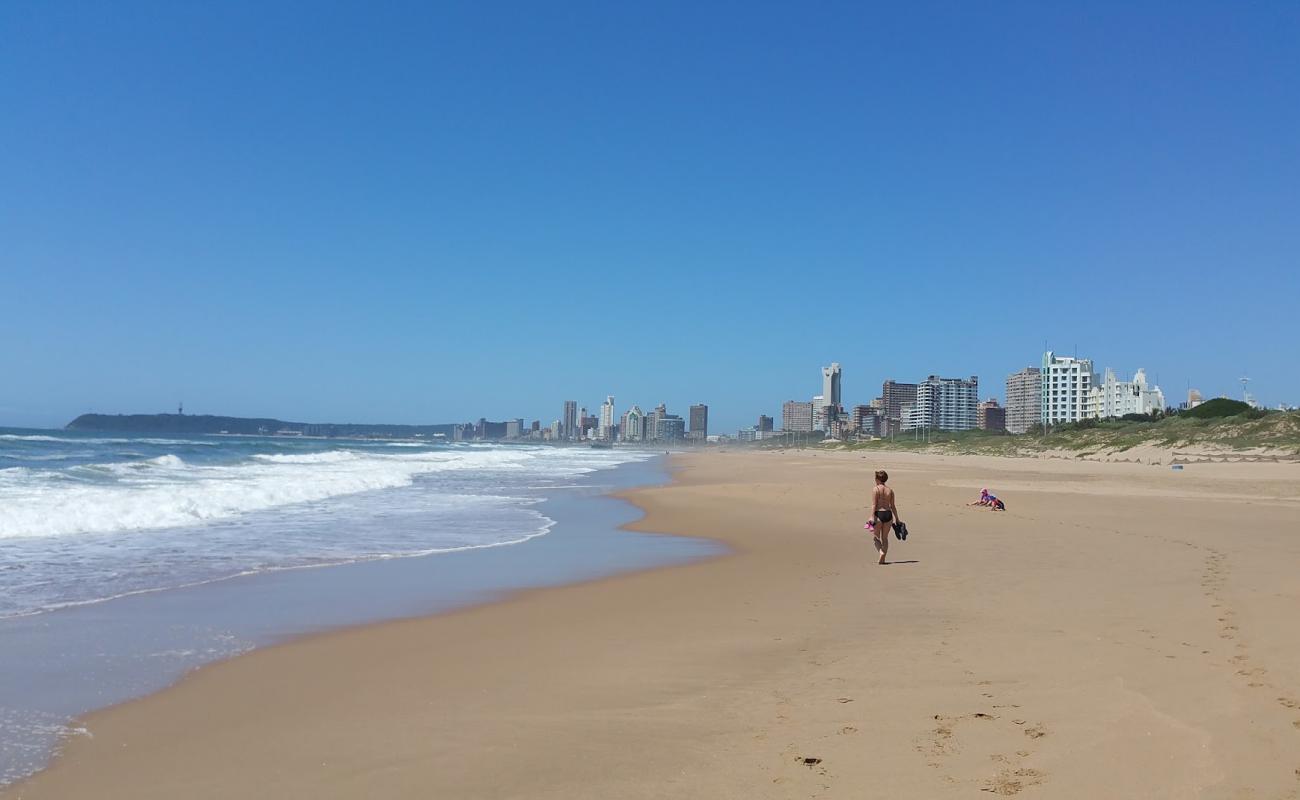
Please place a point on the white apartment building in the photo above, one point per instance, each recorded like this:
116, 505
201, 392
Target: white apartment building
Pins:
633, 427
1066, 383
606, 430
1114, 398
945, 404
819, 412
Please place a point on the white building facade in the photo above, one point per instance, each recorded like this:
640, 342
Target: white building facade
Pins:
605, 431
1115, 398
1065, 388
945, 404
633, 427
818, 404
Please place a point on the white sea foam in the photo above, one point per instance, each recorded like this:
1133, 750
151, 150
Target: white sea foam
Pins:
326, 457
15, 437
166, 491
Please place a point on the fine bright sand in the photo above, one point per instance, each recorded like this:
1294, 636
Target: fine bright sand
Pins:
1122, 631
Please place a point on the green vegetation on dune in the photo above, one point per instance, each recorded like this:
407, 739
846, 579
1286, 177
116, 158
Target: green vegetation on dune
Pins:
1275, 432
1222, 407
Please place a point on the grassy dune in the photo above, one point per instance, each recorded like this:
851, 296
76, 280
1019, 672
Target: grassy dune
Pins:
1270, 435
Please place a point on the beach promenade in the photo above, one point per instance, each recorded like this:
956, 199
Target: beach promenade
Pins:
1121, 631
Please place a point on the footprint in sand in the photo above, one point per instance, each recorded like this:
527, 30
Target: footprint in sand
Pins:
1036, 731
1289, 702
1009, 782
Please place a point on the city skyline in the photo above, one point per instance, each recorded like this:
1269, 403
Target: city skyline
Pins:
461, 214
607, 413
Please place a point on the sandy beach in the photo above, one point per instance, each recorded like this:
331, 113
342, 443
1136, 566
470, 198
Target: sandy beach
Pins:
1123, 630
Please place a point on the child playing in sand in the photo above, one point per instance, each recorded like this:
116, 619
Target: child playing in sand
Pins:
988, 499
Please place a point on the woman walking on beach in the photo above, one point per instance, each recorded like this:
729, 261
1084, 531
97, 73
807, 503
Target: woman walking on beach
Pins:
884, 512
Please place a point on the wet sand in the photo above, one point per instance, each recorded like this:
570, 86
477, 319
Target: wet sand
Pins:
1122, 631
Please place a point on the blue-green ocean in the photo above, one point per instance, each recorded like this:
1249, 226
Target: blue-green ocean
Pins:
88, 517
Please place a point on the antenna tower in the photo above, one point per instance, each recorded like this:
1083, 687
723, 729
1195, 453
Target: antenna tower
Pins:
1245, 395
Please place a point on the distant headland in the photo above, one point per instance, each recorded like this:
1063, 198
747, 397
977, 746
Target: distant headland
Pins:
206, 423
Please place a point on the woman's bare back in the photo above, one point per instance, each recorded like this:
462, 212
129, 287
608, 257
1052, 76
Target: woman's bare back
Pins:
882, 498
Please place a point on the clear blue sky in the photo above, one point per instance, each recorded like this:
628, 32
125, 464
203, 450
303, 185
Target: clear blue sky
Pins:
388, 212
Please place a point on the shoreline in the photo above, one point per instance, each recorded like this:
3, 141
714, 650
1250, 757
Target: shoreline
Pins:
977, 660
81, 659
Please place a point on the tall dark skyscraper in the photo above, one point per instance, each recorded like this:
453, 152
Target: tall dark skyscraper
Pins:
699, 422
569, 422
764, 423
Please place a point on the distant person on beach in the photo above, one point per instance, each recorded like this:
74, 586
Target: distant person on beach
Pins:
990, 500
884, 512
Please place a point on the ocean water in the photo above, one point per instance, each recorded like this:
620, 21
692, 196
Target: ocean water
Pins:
85, 518
127, 561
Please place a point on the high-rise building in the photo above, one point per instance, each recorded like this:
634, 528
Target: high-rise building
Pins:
831, 385
633, 425
1114, 398
893, 397
652, 422
605, 431
764, 423
1066, 383
490, 430
818, 404
1024, 400
514, 428
990, 416
699, 422
670, 428
796, 416
866, 421
1193, 398
946, 404
569, 420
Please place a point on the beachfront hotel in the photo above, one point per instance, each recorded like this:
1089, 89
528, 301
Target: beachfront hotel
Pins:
633, 425
669, 428
990, 416
569, 421
605, 431
699, 418
894, 396
1115, 398
1024, 400
1065, 384
867, 421
796, 416
946, 404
